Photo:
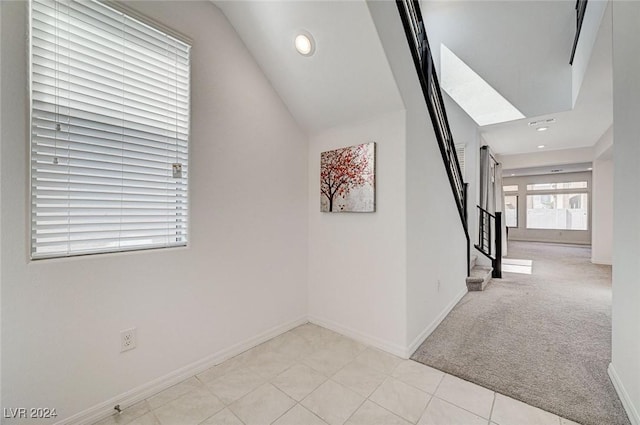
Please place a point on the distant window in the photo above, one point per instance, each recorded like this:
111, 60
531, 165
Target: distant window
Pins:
510, 188
554, 186
109, 131
511, 210
567, 211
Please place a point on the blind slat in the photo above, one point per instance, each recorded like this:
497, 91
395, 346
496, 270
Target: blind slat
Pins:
110, 117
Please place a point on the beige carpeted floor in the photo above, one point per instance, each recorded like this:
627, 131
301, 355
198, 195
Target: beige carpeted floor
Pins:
543, 338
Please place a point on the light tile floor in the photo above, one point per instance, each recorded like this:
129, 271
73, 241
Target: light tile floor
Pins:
312, 376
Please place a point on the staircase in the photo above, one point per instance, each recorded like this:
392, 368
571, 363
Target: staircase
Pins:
416, 34
489, 245
479, 277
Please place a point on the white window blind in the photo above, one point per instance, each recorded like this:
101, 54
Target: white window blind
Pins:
109, 131
460, 153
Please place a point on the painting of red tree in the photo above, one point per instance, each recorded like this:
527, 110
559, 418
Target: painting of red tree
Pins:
347, 179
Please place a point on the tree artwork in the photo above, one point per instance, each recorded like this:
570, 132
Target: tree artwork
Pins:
347, 179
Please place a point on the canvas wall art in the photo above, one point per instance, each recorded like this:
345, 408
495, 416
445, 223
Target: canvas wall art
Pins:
347, 179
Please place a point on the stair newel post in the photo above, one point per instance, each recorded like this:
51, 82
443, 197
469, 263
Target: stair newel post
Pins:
497, 266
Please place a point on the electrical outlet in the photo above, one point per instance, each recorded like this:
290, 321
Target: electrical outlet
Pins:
127, 339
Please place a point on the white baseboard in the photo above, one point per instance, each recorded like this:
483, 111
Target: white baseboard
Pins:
389, 347
602, 261
631, 410
433, 325
105, 409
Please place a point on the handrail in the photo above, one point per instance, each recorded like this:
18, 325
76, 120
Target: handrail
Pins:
414, 29
490, 225
581, 7
485, 211
413, 23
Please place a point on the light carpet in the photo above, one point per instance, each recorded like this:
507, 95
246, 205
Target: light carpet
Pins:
544, 338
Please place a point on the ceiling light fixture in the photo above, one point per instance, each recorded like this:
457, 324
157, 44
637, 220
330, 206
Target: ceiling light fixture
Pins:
546, 121
590, 168
304, 44
540, 146
542, 128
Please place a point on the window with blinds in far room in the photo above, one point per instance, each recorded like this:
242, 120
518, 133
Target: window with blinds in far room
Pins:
109, 131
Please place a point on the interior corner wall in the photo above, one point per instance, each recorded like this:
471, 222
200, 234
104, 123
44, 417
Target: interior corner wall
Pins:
436, 244
625, 367
245, 269
357, 261
602, 212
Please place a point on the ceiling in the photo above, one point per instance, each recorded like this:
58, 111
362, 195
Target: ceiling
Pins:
520, 48
529, 68
347, 79
580, 127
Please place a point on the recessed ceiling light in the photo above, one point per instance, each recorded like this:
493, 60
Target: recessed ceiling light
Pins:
304, 44
512, 174
540, 146
542, 128
590, 168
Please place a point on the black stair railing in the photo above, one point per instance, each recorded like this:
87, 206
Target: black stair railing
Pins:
581, 7
414, 29
490, 238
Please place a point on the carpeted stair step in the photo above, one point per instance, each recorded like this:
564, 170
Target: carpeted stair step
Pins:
472, 263
480, 277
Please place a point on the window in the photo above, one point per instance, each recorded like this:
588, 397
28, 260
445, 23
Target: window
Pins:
511, 210
568, 211
109, 131
510, 188
554, 186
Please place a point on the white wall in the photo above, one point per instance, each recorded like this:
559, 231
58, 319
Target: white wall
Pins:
603, 146
357, 273
242, 274
0, 207
588, 34
602, 212
436, 245
546, 157
521, 233
465, 131
602, 200
625, 367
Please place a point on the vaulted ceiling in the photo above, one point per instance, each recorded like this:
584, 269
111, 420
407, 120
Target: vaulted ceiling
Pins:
521, 48
347, 79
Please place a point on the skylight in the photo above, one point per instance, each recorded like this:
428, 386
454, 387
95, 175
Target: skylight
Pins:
481, 101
